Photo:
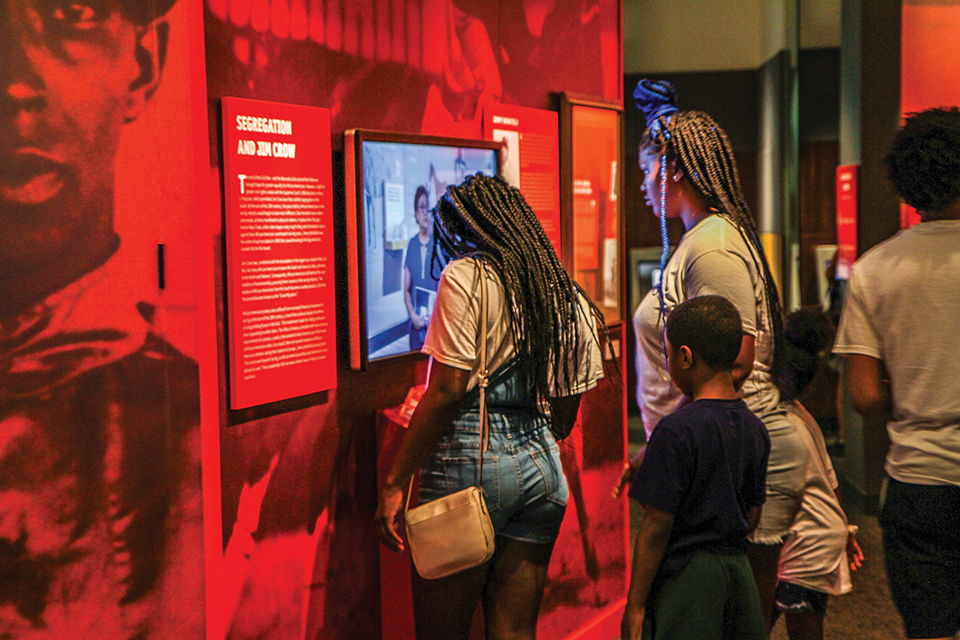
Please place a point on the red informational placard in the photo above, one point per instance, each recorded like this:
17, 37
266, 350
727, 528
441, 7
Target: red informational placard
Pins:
846, 219
280, 272
530, 159
929, 56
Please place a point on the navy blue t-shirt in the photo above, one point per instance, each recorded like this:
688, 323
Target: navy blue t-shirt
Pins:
705, 464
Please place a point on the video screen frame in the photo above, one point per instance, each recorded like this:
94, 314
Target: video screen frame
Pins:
367, 189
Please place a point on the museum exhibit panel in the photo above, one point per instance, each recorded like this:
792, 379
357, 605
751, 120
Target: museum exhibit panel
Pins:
196, 452
216, 270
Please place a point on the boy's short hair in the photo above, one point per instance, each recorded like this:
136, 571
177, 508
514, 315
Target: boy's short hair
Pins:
710, 326
924, 159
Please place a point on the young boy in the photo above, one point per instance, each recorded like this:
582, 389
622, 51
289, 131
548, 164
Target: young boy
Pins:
701, 486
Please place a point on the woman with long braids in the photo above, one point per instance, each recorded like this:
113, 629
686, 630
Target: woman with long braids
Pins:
542, 345
690, 174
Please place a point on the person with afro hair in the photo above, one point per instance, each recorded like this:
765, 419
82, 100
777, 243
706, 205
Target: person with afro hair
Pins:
899, 334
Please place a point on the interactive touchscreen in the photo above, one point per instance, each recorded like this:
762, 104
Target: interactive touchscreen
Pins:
394, 182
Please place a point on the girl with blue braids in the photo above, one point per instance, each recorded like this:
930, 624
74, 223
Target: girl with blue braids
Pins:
690, 174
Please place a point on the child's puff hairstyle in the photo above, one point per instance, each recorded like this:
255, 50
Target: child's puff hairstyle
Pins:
924, 160
710, 327
808, 332
487, 219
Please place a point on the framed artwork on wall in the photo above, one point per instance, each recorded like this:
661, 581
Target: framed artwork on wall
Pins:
590, 186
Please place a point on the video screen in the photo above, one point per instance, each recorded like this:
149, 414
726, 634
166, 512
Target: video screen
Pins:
402, 181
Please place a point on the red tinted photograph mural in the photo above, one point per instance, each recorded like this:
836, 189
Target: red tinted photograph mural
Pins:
587, 578
416, 66
301, 557
100, 510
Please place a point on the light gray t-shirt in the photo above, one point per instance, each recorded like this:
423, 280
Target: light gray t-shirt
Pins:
903, 307
452, 334
712, 258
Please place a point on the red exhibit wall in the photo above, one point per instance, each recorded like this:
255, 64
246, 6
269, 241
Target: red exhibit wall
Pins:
929, 63
100, 490
102, 406
298, 480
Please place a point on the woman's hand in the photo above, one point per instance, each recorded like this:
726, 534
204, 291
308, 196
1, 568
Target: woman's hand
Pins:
388, 518
631, 625
433, 415
629, 471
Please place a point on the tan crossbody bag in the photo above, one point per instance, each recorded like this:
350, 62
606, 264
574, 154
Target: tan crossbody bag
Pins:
454, 533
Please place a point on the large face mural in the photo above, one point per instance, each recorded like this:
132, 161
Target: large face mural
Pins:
100, 511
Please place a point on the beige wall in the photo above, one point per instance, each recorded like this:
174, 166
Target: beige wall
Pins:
670, 36
819, 24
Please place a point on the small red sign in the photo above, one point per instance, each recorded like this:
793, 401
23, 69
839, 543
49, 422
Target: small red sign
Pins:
530, 159
846, 219
280, 267
908, 216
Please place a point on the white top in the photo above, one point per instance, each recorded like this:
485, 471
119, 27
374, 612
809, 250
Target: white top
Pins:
452, 336
814, 554
903, 307
711, 258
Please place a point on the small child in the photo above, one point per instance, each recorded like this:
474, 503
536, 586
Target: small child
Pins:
701, 485
820, 550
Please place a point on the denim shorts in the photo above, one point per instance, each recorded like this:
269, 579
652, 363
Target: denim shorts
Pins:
523, 481
794, 597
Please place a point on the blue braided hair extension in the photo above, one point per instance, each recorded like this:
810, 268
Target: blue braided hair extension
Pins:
657, 102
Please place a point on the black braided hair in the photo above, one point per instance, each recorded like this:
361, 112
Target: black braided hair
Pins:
487, 219
703, 152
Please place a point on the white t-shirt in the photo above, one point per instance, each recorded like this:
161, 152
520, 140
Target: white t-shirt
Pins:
814, 554
902, 306
452, 336
711, 258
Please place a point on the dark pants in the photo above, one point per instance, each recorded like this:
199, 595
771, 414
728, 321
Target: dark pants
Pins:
714, 597
921, 541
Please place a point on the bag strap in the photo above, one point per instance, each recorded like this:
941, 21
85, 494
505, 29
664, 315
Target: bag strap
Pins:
484, 374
